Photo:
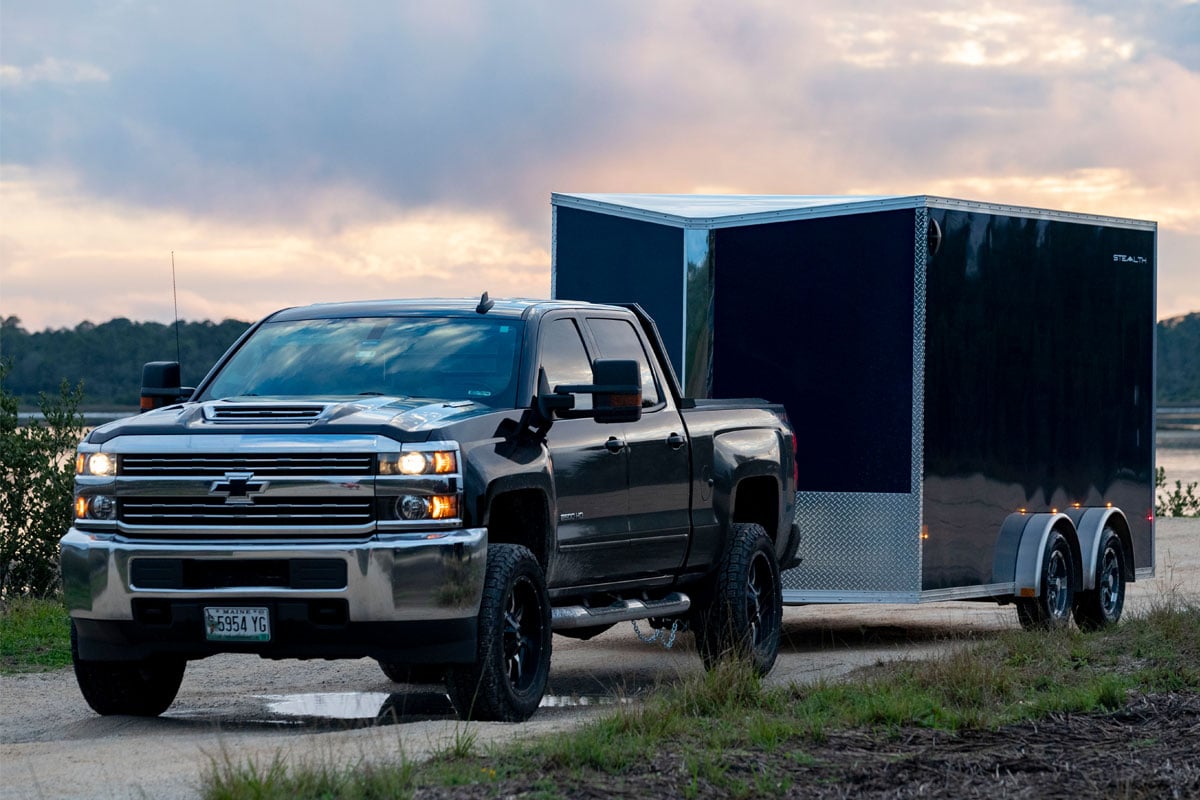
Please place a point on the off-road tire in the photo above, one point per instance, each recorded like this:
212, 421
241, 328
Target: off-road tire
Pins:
743, 614
137, 688
1101, 607
399, 672
1052, 609
508, 679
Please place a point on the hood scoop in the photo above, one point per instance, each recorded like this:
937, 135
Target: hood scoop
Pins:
274, 413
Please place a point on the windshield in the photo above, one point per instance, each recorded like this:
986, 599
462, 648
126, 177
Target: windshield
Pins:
444, 358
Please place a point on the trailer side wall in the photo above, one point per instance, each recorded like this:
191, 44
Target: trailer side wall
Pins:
1039, 381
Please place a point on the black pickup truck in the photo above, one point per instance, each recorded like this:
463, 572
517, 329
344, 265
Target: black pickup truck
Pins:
436, 484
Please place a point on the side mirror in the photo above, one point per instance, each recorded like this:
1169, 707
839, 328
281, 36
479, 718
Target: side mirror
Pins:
616, 390
617, 394
160, 385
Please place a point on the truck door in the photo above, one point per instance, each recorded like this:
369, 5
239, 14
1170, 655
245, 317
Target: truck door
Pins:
659, 461
590, 463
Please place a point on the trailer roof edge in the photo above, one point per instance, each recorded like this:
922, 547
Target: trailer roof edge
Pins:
619, 205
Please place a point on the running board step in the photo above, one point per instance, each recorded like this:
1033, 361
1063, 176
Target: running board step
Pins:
672, 605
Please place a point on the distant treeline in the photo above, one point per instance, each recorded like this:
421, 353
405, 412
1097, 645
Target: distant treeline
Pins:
108, 358
1179, 359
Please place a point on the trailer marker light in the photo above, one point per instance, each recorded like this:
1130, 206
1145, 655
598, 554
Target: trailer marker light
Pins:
1021, 510
924, 531
1027, 592
1075, 505
1108, 505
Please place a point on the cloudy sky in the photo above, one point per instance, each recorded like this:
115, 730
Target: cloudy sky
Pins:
291, 152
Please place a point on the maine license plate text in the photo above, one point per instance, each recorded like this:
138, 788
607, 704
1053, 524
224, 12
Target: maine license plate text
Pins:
237, 624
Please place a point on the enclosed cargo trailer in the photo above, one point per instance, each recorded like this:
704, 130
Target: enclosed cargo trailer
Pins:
972, 384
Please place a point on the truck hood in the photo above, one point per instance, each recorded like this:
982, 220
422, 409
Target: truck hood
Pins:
404, 419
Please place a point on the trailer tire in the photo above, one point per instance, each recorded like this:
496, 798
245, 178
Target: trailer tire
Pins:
1052, 608
512, 665
135, 688
1102, 606
743, 617
399, 672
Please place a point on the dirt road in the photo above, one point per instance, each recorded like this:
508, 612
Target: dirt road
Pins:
53, 746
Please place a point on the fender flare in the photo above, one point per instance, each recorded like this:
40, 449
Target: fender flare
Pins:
1089, 526
1021, 547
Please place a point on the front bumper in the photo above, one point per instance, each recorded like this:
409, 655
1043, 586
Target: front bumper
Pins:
403, 597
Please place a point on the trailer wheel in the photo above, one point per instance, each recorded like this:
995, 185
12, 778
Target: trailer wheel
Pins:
512, 663
744, 614
399, 672
1053, 608
137, 688
1102, 606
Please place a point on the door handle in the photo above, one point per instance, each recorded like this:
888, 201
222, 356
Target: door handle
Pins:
675, 441
614, 445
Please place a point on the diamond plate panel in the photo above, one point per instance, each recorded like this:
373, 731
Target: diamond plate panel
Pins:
863, 542
852, 541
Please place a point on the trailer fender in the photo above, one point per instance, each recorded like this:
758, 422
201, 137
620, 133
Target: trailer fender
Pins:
1027, 577
1089, 525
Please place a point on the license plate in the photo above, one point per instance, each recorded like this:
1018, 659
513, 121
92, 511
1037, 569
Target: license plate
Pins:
237, 624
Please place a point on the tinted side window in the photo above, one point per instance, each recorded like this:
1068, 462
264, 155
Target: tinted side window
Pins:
617, 338
564, 358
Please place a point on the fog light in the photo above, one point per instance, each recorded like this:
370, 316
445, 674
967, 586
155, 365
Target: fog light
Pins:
411, 507
102, 507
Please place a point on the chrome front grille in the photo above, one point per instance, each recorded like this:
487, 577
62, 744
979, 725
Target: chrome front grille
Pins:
190, 512
323, 464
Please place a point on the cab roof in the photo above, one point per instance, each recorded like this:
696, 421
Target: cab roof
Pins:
454, 307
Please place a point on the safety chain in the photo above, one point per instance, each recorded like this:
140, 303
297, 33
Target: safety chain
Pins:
657, 636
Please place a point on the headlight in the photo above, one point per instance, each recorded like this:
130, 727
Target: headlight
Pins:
95, 464
419, 462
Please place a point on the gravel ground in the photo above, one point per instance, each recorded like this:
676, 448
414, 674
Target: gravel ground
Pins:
53, 746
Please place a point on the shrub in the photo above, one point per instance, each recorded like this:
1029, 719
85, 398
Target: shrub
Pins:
1178, 502
35, 504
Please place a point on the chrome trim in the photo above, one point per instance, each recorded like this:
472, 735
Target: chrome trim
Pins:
672, 605
803, 597
392, 579
981, 592
985, 591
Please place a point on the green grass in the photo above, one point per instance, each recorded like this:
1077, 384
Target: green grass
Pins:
34, 635
718, 722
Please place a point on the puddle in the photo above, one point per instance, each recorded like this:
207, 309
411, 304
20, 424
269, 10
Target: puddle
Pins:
359, 708
577, 701
328, 705
364, 709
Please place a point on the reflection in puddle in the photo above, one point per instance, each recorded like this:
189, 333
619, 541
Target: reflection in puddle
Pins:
328, 705
359, 708
380, 708
576, 701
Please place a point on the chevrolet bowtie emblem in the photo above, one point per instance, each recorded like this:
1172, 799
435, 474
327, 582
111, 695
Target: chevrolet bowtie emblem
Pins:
238, 488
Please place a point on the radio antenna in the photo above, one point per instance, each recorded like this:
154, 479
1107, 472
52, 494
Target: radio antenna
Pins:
175, 297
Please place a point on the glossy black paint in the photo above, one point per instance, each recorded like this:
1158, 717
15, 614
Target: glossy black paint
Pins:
817, 315
608, 259
620, 497
1038, 381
